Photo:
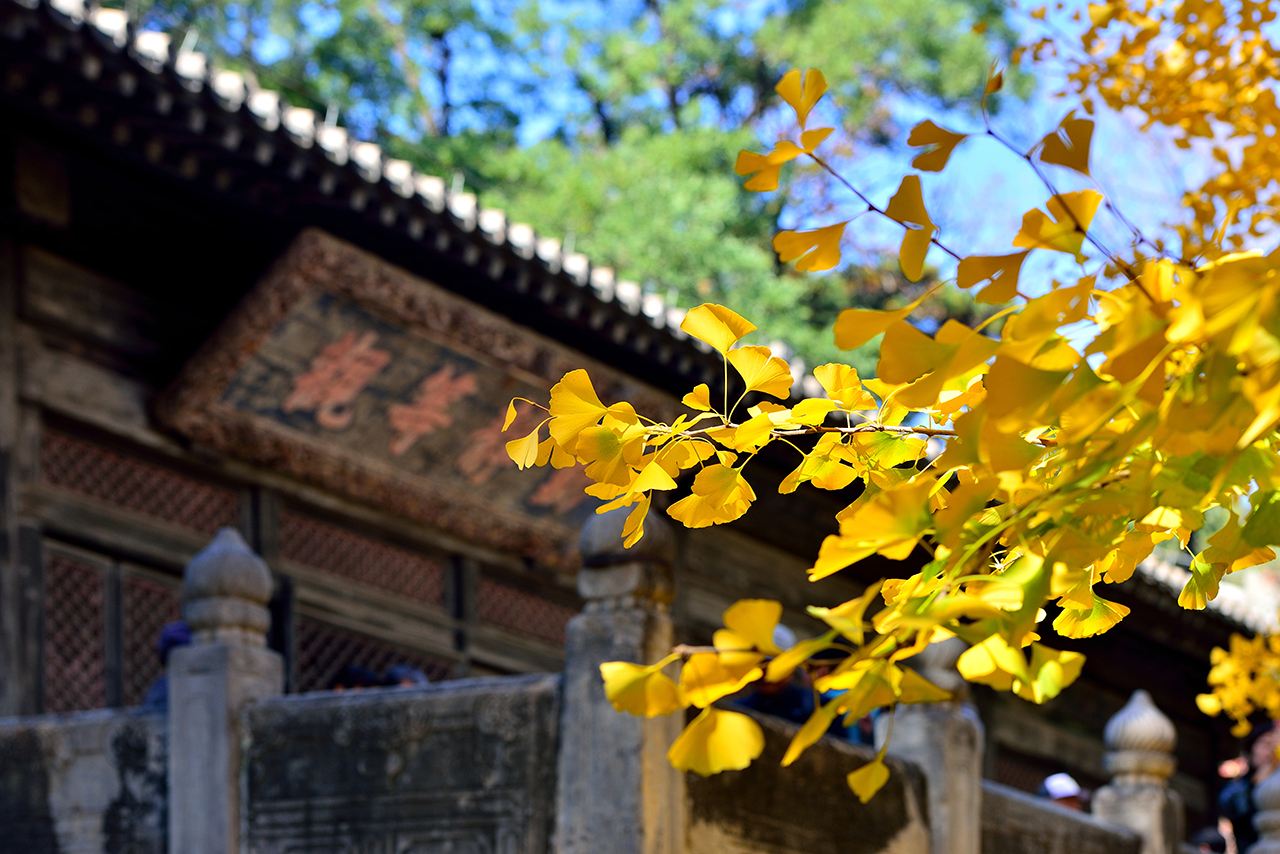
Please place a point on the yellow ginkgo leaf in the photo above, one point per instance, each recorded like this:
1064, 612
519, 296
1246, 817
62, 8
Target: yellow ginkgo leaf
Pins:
709, 676
717, 741
856, 326
575, 406
699, 398
843, 385
827, 466
906, 353
1064, 227
941, 143
916, 689
813, 251
992, 662
811, 139
763, 171
524, 451
652, 476
802, 90
1068, 144
719, 494
633, 528
783, 665
640, 690
1000, 272
510, 416
995, 82
749, 624
869, 779
813, 729
1086, 622
762, 371
716, 325
907, 207
608, 456
1051, 672
848, 617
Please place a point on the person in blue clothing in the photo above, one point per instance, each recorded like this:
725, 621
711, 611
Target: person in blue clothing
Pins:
1235, 801
172, 636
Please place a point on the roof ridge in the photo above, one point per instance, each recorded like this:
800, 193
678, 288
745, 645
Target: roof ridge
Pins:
1232, 602
239, 92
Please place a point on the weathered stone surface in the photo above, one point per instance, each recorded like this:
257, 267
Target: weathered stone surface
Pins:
945, 741
807, 807
615, 783
461, 766
1014, 822
91, 782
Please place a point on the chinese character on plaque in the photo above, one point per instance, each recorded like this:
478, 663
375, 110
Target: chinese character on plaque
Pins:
335, 378
430, 409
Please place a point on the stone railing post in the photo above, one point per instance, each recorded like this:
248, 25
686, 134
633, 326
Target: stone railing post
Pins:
1266, 797
617, 792
1140, 742
225, 590
946, 741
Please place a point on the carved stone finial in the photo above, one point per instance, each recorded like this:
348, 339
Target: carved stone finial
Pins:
601, 540
225, 590
616, 576
1140, 742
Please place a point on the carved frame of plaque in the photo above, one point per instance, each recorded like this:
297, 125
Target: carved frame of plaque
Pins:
231, 396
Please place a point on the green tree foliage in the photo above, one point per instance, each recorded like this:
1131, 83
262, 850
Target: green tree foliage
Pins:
615, 124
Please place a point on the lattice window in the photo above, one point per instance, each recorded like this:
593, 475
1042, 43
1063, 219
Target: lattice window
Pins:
140, 486
1016, 769
74, 644
323, 649
147, 603
415, 576
526, 613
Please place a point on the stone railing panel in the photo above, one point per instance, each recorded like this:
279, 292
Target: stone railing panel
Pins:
461, 766
1014, 822
83, 783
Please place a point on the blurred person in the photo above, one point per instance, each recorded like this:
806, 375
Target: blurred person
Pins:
353, 677
1235, 801
1209, 841
1063, 790
404, 675
172, 636
790, 699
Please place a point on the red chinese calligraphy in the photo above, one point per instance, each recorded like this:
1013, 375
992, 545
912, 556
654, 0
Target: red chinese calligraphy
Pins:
486, 455
335, 378
429, 410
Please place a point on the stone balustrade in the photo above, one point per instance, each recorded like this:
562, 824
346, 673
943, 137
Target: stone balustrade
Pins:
532, 763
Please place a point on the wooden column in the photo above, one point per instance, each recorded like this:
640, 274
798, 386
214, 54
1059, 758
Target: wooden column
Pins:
20, 560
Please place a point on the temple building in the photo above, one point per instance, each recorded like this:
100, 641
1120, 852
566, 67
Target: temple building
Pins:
218, 310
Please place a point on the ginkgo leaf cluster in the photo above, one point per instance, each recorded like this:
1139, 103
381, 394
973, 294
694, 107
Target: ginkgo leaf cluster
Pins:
1024, 465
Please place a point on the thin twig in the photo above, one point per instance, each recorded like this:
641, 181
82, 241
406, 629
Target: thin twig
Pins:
874, 208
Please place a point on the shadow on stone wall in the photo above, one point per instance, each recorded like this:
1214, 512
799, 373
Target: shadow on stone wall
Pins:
806, 807
93, 781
